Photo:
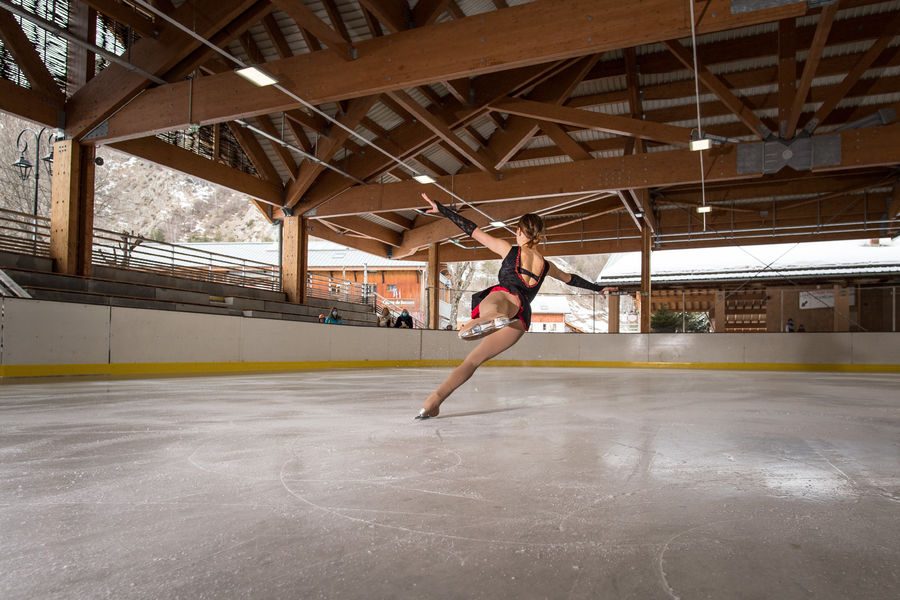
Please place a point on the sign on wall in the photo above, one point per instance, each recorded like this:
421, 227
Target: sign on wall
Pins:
821, 299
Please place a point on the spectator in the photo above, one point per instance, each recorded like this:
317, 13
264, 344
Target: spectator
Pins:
801, 328
385, 319
789, 326
404, 320
449, 327
334, 317
321, 318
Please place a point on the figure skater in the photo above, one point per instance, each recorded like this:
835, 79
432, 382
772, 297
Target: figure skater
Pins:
501, 314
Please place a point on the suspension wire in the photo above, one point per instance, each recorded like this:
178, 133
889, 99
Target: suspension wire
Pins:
313, 108
697, 102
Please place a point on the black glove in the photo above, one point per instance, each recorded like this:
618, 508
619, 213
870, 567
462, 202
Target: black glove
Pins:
580, 282
460, 221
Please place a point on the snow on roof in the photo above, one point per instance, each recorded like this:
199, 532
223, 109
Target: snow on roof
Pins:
812, 259
322, 254
550, 305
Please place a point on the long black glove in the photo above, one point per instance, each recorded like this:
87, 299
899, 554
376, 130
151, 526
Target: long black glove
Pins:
580, 282
460, 221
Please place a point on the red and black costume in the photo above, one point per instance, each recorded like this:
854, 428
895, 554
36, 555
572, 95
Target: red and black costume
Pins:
510, 277
510, 280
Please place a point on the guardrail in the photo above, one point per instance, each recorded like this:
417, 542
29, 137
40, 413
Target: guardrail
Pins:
136, 253
24, 233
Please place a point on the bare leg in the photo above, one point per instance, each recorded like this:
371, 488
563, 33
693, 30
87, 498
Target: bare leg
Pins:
489, 347
496, 304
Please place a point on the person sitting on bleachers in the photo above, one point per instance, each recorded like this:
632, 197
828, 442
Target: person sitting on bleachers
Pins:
404, 320
384, 318
334, 317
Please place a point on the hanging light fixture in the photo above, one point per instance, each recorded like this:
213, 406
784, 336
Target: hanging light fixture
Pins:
48, 161
24, 166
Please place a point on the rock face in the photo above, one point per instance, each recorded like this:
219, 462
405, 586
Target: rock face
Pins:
139, 196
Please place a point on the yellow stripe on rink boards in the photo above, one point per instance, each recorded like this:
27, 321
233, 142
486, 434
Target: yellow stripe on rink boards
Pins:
162, 369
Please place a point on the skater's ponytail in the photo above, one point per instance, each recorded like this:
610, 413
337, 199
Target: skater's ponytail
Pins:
532, 226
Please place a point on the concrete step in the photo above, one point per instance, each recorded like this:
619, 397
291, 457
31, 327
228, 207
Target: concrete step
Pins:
13, 260
205, 287
103, 300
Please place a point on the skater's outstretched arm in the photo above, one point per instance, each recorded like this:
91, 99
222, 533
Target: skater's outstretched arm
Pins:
495, 245
577, 281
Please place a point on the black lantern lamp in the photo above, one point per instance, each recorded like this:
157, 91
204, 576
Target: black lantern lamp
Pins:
23, 165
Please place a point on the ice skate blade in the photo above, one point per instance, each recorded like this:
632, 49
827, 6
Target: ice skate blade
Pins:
423, 415
483, 329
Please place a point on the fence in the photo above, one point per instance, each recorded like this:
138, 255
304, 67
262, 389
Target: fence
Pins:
135, 253
24, 233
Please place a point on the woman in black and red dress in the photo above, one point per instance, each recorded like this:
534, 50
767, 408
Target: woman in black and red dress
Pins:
502, 313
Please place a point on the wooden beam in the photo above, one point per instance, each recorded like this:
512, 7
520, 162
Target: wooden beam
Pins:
436, 230
337, 21
157, 151
512, 37
126, 15
275, 34
787, 72
894, 206
397, 220
327, 148
635, 104
412, 138
320, 230
115, 85
368, 229
641, 197
890, 85
572, 148
31, 105
647, 130
294, 258
393, 14
307, 20
478, 157
426, 12
506, 141
860, 148
434, 287
254, 151
27, 58
72, 211
855, 74
80, 62
626, 199
613, 313
718, 87
646, 292
203, 56
826, 18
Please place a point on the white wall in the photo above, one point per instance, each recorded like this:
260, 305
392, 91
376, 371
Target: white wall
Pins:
36, 332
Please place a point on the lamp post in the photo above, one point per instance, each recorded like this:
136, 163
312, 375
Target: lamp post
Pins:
25, 166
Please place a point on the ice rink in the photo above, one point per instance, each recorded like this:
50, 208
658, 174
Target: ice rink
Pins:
533, 483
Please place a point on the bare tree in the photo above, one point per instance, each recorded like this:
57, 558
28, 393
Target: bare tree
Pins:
461, 275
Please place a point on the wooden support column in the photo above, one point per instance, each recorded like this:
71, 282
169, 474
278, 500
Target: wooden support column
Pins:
434, 287
613, 313
72, 209
646, 304
842, 308
294, 258
719, 315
